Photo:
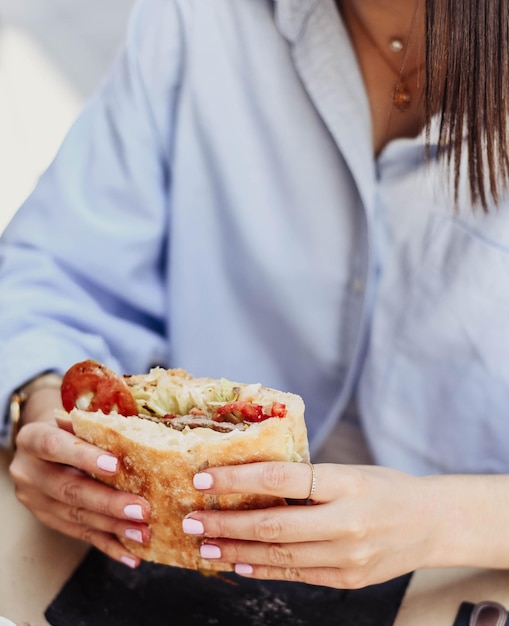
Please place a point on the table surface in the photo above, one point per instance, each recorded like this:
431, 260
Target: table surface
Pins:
36, 562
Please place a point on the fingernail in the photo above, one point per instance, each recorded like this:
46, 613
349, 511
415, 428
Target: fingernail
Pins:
127, 560
134, 534
210, 551
192, 526
133, 511
107, 463
203, 480
243, 568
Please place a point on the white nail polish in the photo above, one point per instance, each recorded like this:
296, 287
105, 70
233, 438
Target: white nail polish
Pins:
127, 560
210, 551
133, 511
107, 463
134, 534
203, 480
192, 526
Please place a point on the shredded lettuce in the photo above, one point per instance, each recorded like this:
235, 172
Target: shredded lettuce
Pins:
163, 395
226, 391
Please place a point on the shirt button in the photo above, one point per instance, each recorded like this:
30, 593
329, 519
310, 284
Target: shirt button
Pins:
357, 285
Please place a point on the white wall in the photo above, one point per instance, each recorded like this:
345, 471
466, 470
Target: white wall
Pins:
53, 55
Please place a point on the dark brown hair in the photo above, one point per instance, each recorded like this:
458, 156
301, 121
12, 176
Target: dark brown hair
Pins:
467, 63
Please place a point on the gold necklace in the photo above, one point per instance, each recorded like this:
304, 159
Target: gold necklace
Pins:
401, 94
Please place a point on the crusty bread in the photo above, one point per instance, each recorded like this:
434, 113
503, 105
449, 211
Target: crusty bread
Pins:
159, 463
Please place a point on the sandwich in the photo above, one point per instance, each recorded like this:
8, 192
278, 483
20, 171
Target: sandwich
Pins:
165, 426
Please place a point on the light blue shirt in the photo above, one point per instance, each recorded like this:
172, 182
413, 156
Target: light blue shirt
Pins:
217, 207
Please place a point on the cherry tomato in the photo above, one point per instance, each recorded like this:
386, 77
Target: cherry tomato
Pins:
108, 390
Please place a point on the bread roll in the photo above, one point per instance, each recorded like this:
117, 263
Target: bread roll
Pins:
158, 462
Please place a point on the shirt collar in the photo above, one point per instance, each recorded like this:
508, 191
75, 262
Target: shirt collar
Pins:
328, 68
291, 16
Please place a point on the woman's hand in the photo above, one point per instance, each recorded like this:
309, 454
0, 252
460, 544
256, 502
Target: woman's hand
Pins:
50, 471
367, 524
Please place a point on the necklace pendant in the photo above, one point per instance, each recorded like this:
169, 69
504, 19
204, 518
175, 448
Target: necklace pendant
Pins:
396, 44
401, 97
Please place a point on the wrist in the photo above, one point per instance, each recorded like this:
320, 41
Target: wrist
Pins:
22, 403
444, 515
471, 515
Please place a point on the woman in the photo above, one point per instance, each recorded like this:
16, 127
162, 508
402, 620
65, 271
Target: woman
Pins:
260, 192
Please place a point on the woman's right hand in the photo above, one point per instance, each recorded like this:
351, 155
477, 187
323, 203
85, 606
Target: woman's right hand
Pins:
51, 471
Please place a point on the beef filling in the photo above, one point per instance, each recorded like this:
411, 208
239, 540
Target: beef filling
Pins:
181, 422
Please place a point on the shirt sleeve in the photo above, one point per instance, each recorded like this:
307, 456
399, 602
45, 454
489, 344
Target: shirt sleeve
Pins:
83, 262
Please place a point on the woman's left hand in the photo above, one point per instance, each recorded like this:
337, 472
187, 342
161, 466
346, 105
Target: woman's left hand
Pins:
366, 524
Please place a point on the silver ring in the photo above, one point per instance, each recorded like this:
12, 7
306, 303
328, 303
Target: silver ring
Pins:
313, 482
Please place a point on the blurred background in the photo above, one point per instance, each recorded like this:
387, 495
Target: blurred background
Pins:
53, 55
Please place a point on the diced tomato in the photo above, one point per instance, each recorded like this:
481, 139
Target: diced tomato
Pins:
244, 411
249, 411
252, 412
109, 390
278, 410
